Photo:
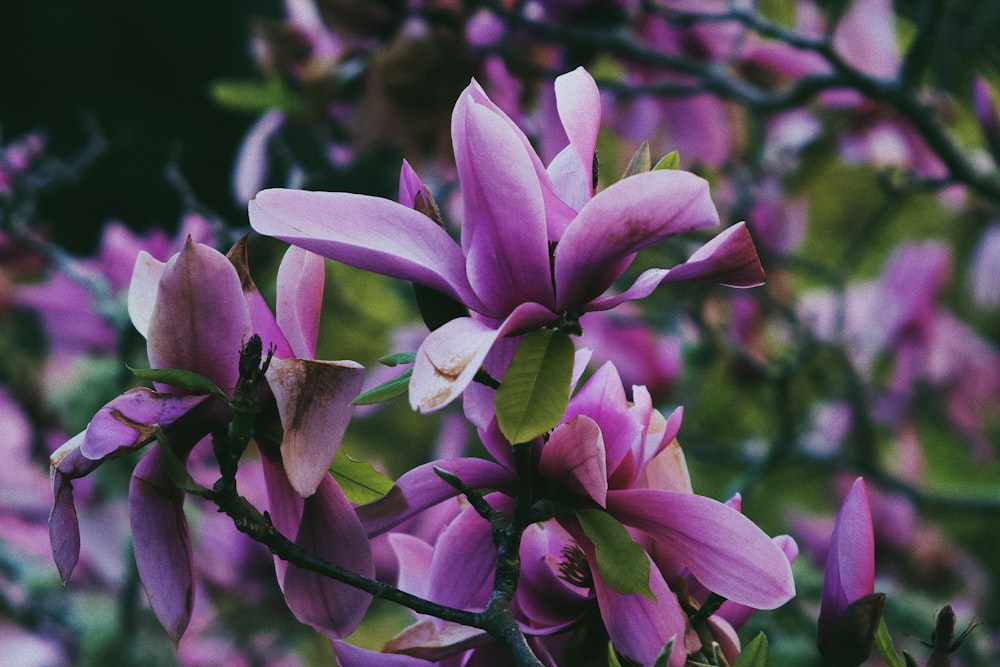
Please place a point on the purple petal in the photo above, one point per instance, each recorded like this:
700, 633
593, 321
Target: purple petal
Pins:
64, 527
435, 640
579, 105
421, 488
639, 627
331, 530
464, 561
262, 321
574, 456
737, 615
126, 422
730, 259
603, 399
723, 549
548, 602
300, 295
557, 213
632, 214
314, 403
284, 504
414, 557
410, 185
850, 563
252, 159
352, 656
504, 228
369, 233
200, 320
162, 544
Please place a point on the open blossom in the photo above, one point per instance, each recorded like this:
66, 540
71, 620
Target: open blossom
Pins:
537, 245
611, 456
197, 311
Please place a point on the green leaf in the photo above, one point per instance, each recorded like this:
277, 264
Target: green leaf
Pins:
359, 480
176, 470
621, 563
671, 160
179, 378
640, 162
753, 654
613, 660
535, 389
397, 358
883, 640
386, 391
253, 96
663, 658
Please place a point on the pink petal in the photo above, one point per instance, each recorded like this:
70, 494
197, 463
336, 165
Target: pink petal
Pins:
421, 488
414, 557
723, 549
579, 104
450, 356
603, 399
262, 321
300, 296
352, 656
369, 233
548, 602
314, 403
252, 159
330, 529
507, 254
200, 320
850, 563
142, 290
639, 627
435, 640
284, 504
461, 572
126, 422
557, 212
162, 544
574, 457
632, 214
730, 259
64, 527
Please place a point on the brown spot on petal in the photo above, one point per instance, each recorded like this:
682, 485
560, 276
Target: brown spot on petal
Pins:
146, 431
238, 256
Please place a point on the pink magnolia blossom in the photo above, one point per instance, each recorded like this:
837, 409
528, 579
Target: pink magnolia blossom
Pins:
622, 457
196, 311
537, 244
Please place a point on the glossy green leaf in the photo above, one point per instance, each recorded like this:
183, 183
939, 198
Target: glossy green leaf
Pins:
621, 563
753, 654
176, 470
883, 641
360, 482
535, 389
179, 378
671, 160
398, 358
663, 658
386, 391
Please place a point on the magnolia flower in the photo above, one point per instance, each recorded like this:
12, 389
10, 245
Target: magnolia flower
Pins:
196, 311
537, 245
616, 457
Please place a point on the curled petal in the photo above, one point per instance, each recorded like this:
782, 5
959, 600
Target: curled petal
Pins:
126, 422
162, 544
369, 233
64, 527
619, 221
450, 356
349, 655
431, 639
314, 403
330, 529
142, 289
574, 456
730, 259
723, 549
